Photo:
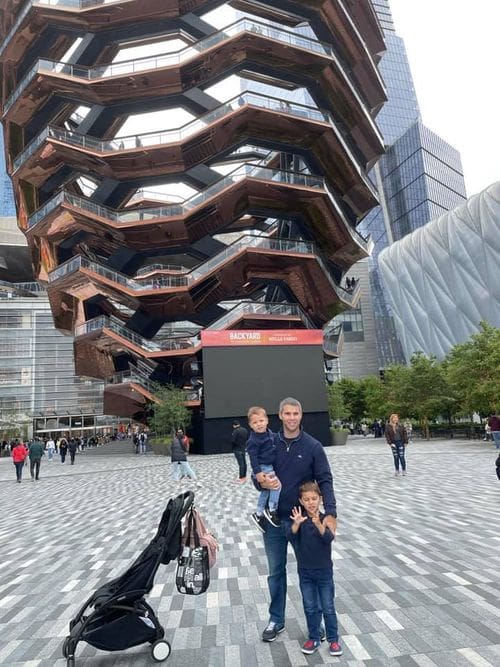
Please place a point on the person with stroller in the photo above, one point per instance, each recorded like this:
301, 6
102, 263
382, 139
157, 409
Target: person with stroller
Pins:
261, 451
312, 541
397, 439
178, 457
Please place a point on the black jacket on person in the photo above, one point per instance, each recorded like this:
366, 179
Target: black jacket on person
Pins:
239, 439
399, 435
178, 451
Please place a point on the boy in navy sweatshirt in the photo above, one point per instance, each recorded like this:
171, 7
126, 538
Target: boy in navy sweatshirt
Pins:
262, 451
312, 541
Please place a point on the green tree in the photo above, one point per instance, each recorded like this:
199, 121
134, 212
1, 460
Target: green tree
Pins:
375, 395
472, 371
354, 398
170, 411
420, 390
397, 383
336, 406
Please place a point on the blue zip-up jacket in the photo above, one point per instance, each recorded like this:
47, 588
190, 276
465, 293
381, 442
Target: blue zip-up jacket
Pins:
261, 449
303, 460
312, 549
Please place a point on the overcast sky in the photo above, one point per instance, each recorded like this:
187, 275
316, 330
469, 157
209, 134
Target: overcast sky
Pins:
454, 52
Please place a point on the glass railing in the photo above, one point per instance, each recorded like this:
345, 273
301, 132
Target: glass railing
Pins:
348, 297
161, 281
333, 340
259, 308
145, 193
132, 376
64, 4
152, 268
173, 210
152, 387
169, 59
111, 323
176, 135
77, 263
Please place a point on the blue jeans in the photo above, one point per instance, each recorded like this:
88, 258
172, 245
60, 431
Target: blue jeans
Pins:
242, 462
398, 452
19, 470
180, 468
318, 591
276, 545
268, 496
496, 438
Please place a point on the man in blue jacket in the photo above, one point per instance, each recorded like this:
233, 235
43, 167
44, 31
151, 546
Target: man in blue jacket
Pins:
299, 458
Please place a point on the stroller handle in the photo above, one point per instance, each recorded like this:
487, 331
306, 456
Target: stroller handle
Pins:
188, 499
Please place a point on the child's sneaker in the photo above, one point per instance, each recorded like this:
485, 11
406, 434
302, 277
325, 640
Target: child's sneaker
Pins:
272, 517
259, 521
310, 647
335, 648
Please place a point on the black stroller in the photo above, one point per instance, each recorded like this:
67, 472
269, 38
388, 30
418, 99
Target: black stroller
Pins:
117, 616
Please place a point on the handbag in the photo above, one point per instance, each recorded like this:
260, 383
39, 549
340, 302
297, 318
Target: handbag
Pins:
193, 571
206, 538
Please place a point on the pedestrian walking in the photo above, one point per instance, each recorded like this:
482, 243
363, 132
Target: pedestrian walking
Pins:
178, 457
262, 451
487, 432
72, 446
312, 541
397, 439
63, 449
19, 454
36, 451
409, 428
143, 439
299, 458
494, 424
50, 448
239, 438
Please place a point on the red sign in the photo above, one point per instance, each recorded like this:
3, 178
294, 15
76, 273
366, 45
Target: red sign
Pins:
245, 337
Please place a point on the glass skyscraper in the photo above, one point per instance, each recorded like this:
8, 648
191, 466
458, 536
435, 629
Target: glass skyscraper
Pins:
7, 203
418, 179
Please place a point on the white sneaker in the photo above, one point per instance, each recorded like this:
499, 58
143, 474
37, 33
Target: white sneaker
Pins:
396, 474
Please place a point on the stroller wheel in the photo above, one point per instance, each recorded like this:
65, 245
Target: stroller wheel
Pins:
65, 651
160, 650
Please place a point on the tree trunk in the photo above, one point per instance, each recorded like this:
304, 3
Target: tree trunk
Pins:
424, 422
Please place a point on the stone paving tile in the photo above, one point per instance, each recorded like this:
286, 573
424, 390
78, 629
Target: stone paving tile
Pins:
416, 560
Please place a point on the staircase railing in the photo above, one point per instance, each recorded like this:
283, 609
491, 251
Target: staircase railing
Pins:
176, 135
166, 59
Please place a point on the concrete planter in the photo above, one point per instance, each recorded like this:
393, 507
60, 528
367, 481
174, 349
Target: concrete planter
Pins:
338, 437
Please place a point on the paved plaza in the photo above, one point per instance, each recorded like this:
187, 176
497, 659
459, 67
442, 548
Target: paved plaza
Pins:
417, 559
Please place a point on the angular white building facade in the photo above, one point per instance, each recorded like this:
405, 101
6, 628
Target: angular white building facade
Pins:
444, 278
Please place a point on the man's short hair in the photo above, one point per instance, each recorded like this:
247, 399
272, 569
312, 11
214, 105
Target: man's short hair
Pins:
236, 423
256, 410
290, 401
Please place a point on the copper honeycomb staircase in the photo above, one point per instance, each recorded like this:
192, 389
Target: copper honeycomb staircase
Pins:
121, 266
